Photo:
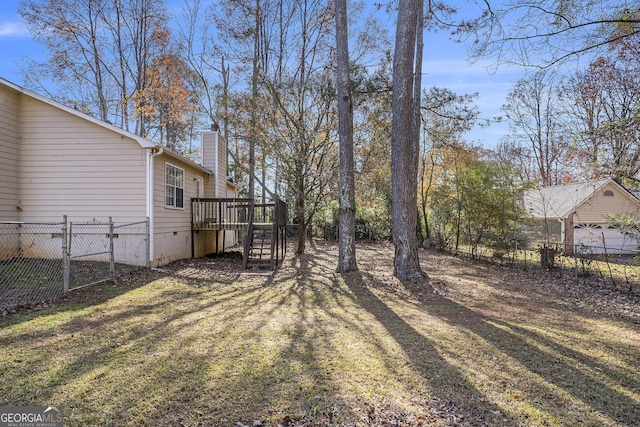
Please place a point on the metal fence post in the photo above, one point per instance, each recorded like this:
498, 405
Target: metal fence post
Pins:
112, 266
65, 256
575, 261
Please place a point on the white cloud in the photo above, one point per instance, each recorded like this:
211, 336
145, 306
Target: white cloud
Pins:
13, 29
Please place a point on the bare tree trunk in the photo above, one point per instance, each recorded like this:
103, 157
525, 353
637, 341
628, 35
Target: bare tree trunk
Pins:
254, 102
425, 190
347, 227
417, 117
263, 165
301, 215
122, 62
403, 148
97, 64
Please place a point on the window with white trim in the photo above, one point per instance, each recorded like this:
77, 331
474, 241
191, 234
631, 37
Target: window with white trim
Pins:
174, 186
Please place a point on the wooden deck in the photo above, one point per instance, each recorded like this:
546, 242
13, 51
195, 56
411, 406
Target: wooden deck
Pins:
264, 226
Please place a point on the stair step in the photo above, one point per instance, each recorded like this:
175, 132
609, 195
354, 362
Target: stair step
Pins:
260, 253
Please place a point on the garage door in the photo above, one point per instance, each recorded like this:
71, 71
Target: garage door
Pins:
595, 238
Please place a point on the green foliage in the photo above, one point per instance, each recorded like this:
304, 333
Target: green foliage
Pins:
373, 221
445, 216
626, 222
325, 222
479, 203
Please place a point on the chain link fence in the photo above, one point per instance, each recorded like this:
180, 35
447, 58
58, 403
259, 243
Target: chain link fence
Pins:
31, 263
41, 261
612, 265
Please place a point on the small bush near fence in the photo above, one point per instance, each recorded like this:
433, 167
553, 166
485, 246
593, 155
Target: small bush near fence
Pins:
41, 261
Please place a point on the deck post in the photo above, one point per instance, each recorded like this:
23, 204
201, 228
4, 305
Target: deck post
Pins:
193, 232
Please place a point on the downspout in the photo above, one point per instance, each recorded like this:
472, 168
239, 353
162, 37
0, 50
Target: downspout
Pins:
216, 172
151, 153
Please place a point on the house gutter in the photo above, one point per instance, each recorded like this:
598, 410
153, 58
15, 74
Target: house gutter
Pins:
151, 154
216, 175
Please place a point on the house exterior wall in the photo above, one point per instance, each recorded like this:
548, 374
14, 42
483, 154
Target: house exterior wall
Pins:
9, 155
599, 205
172, 226
54, 162
592, 231
209, 156
568, 235
78, 168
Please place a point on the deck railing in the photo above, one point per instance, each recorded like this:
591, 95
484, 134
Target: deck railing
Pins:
219, 214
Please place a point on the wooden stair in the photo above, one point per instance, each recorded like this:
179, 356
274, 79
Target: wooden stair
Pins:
265, 241
261, 248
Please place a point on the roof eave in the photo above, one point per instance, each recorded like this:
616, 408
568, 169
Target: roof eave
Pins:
143, 142
180, 157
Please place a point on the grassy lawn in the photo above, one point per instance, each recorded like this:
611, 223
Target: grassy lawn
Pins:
206, 344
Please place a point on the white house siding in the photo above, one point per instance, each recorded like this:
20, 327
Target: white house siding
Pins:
172, 226
214, 158
75, 167
221, 174
9, 160
209, 160
591, 231
70, 166
53, 162
593, 210
9, 138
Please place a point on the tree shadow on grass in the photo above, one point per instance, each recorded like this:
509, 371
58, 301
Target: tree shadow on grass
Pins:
567, 370
84, 297
145, 360
562, 380
446, 381
139, 361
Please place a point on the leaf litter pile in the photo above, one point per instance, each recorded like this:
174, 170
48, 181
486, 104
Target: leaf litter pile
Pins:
204, 343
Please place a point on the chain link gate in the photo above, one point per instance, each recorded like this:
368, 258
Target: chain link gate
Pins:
42, 261
90, 258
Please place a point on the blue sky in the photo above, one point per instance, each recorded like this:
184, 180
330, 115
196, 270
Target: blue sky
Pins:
445, 65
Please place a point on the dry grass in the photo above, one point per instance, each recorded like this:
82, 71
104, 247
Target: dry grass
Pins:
206, 344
